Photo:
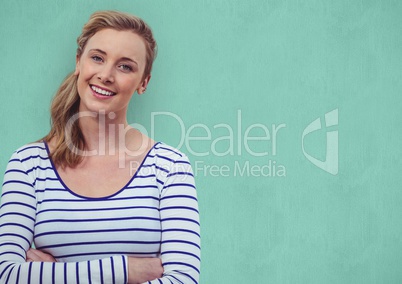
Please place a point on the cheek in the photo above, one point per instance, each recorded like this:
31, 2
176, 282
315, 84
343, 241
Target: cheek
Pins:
129, 85
85, 71
83, 78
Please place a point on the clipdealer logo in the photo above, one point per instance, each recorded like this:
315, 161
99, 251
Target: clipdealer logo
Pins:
219, 140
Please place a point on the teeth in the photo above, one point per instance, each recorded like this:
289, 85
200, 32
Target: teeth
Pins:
102, 92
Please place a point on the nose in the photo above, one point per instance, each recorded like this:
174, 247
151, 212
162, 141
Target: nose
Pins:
106, 74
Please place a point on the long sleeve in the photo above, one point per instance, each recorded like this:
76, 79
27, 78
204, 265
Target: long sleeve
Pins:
180, 244
17, 226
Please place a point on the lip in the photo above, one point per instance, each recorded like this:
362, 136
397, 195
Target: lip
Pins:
95, 94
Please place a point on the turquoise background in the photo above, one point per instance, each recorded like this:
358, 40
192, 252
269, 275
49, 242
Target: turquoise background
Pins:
276, 62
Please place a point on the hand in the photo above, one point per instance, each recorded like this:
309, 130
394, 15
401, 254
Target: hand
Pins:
37, 255
141, 270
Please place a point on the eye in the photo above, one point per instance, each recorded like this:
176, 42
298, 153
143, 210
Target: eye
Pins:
126, 67
96, 58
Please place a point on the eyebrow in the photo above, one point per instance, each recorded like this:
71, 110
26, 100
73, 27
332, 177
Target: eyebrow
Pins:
123, 58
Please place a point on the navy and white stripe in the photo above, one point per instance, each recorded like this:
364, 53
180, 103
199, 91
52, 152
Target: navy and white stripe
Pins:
154, 215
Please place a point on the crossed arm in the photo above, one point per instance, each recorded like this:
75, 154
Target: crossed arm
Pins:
140, 270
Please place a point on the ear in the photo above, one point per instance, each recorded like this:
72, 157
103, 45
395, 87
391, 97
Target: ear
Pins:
77, 64
141, 89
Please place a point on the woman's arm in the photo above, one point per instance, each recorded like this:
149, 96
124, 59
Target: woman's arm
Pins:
17, 224
180, 246
139, 269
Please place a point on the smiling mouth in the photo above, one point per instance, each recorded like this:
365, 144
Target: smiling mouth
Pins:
102, 92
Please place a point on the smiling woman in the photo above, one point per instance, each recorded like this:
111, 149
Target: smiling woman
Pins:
92, 217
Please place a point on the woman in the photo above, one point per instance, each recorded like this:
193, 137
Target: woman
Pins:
101, 204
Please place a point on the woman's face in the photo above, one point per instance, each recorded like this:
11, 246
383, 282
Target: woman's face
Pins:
110, 70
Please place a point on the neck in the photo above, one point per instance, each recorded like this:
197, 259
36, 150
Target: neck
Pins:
104, 133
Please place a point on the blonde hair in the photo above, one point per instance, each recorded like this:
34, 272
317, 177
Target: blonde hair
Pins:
66, 102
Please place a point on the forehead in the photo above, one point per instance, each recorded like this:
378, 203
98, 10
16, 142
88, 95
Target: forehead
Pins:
118, 44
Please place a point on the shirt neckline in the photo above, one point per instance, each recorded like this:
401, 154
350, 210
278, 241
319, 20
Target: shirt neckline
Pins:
96, 198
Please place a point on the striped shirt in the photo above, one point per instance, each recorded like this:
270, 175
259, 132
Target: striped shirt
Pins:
154, 215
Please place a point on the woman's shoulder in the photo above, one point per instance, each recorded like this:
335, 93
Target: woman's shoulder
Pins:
29, 157
164, 150
170, 161
169, 157
35, 149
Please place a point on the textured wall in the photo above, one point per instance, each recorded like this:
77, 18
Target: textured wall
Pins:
273, 210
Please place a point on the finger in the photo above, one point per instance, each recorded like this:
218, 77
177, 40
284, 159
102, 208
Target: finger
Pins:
32, 256
44, 256
37, 255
